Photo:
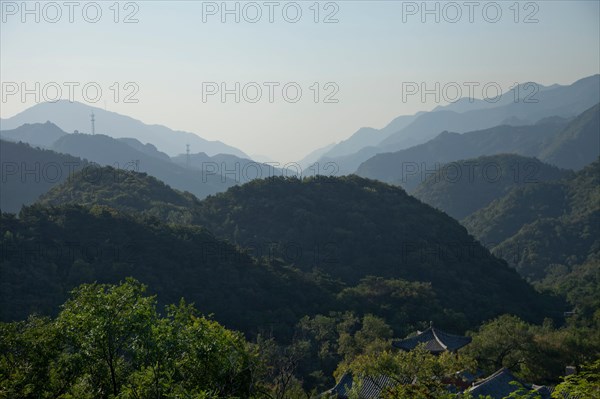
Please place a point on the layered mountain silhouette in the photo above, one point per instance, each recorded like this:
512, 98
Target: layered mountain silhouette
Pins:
535, 102
71, 116
37, 134
564, 143
578, 144
242, 170
563, 101
202, 176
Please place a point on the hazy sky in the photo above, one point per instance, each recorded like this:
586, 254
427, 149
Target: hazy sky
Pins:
176, 49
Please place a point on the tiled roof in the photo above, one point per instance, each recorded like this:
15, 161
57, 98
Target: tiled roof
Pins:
435, 341
501, 384
370, 388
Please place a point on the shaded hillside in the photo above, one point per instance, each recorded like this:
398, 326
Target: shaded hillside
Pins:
410, 167
539, 225
29, 172
461, 188
578, 144
48, 251
126, 191
350, 228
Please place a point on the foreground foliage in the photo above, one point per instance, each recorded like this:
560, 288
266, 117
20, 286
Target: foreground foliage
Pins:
110, 342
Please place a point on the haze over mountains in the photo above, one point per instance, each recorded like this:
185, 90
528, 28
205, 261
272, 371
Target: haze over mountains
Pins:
71, 116
204, 175
463, 187
465, 115
564, 143
457, 230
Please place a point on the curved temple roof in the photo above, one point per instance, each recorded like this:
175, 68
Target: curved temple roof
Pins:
435, 341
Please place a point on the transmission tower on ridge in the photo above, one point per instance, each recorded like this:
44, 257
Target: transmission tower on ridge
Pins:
93, 123
187, 155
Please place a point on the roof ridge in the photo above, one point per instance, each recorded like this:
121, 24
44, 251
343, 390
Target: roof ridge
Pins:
494, 375
439, 341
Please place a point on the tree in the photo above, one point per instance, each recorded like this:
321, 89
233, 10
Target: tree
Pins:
110, 342
585, 384
108, 325
416, 374
502, 342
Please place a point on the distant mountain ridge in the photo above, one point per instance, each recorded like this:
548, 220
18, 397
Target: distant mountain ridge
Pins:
37, 134
71, 116
465, 115
203, 176
562, 142
397, 167
563, 101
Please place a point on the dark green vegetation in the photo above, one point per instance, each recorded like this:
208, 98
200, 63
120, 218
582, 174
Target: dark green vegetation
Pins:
540, 226
318, 275
49, 251
107, 151
127, 192
463, 187
578, 144
113, 341
134, 225
333, 247
367, 228
110, 341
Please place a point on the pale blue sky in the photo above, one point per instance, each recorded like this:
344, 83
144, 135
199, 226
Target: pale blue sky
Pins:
369, 53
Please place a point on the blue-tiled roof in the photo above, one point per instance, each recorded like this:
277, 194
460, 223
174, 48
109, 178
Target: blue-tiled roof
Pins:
370, 387
501, 384
435, 341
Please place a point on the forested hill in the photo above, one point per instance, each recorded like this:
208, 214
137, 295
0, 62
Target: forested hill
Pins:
47, 251
540, 225
125, 191
461, 188
578, 144
347, 228
351, 227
